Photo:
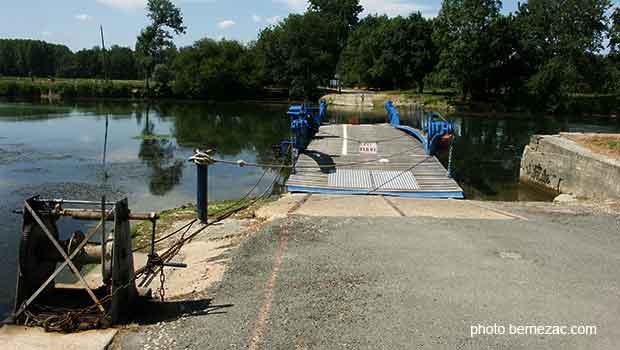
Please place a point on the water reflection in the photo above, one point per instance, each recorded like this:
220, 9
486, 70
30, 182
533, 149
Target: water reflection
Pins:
488, 151
157, 152
230, 131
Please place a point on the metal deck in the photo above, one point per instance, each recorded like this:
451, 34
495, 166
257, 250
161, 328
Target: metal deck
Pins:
370, 159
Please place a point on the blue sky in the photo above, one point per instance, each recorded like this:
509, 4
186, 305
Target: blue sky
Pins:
75, 23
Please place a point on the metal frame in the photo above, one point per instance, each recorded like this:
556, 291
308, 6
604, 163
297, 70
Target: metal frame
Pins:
67, 260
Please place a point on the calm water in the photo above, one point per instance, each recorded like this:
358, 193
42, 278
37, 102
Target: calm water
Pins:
56, 151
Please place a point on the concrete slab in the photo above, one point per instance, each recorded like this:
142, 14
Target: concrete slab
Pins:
447, 209
347, 206
25, 338
279, 208
378, 206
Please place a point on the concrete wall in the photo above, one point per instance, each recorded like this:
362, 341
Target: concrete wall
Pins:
352, 100
557, 163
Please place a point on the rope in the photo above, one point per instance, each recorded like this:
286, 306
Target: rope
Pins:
450, 157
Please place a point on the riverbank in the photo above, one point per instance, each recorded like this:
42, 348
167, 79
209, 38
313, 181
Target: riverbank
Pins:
582, 165
447, 101
63, 89
442, 102
88, 89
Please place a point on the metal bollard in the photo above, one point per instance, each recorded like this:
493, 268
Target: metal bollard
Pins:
202, 159
202, 194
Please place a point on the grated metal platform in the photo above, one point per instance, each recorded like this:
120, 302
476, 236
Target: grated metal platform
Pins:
370, 159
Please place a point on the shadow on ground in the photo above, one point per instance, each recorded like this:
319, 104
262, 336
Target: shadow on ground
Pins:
149, 311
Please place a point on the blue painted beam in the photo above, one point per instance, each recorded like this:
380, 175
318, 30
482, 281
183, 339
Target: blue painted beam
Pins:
455, 195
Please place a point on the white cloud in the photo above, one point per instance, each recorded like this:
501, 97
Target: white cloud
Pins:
295, 5
273, 20
132, 5
389, 7
226, 24
257, 18
129, 5
83, 17
46, 34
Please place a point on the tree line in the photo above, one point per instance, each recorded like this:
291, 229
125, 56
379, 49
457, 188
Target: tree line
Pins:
544, 52
35, 58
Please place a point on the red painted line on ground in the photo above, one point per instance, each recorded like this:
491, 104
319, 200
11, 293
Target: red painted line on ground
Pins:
260, 325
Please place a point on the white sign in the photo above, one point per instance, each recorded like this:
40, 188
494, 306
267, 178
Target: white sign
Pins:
368, 148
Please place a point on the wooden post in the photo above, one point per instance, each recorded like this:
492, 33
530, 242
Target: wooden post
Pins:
123, 289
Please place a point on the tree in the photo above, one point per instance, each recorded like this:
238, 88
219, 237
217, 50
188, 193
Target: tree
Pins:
215, 69
122, 63
389, 52
343, 14
156, 38
463, 32
564, 28
300, 53
347, 10
419, 52
557, 38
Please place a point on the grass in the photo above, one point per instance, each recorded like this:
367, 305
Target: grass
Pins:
606, 144
141, 232
70, 88
151, 137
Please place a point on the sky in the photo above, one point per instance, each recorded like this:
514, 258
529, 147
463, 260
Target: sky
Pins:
75, 23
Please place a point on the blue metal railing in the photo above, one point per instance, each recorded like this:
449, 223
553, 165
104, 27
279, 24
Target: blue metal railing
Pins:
428, 128
305, 123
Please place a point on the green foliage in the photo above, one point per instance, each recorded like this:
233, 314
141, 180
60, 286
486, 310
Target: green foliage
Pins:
346, 10
553, 82
299, 53
465, 34
215, 70
29, 58
567, 28
388, 53
162, 76
68, 88
122, 63
342, 14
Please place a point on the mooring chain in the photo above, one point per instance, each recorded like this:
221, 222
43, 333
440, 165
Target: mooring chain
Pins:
162, 281
450, 158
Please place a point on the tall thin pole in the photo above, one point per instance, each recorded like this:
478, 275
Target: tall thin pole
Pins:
105, 147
